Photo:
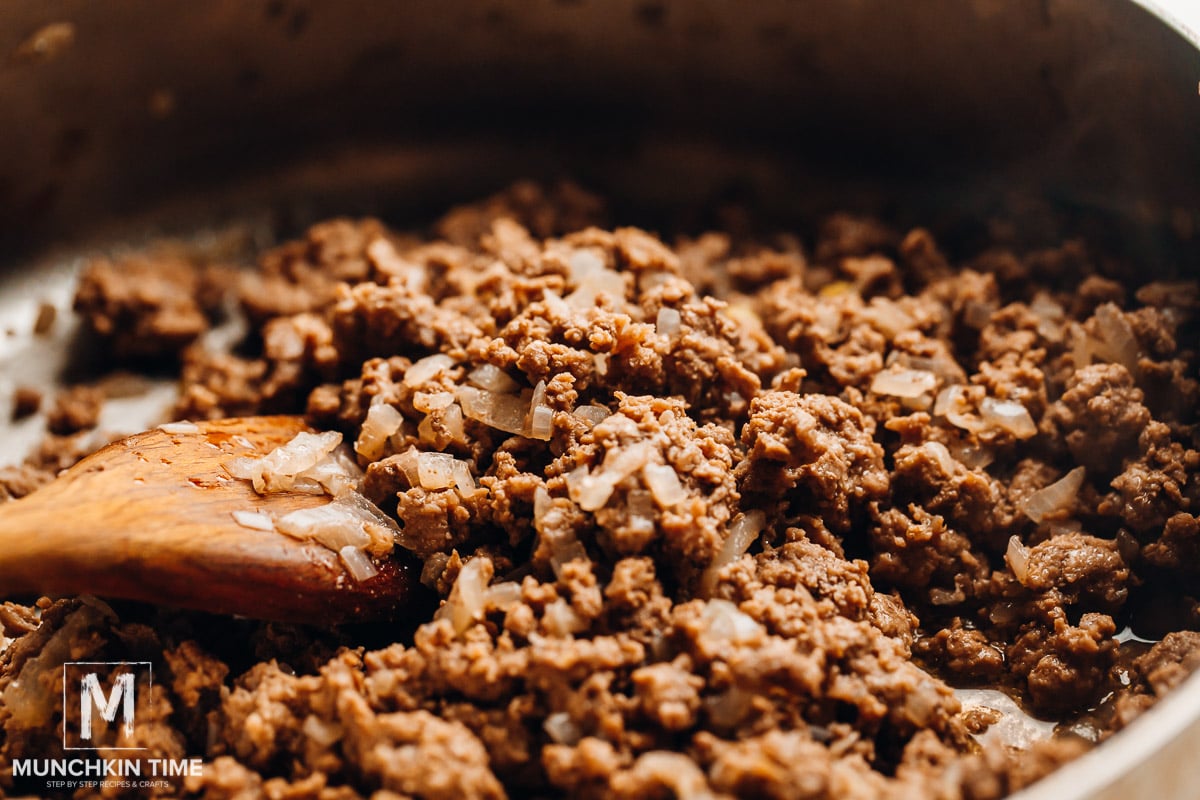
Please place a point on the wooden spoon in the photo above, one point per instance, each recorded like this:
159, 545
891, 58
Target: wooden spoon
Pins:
151, 518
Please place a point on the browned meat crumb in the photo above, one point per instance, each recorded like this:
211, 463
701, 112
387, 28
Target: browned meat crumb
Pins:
75, 409
145, 306
741, 514
26, 401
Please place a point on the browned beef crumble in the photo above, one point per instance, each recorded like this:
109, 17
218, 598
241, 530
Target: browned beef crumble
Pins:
787, 498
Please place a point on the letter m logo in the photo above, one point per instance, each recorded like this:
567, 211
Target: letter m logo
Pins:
92, 696
106, 691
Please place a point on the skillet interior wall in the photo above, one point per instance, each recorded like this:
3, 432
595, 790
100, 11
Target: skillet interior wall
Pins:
168, 111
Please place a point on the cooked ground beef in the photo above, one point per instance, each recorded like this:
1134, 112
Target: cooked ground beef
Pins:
746, 512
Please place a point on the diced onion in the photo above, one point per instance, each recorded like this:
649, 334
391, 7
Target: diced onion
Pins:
743, 531
357, 563
463, 479
663, 483
908, 383
725, 621
978, 314
584, 262
593, 285
1120, 343
668, 321
951, 403
381, 422
426, 402
504, 412
561, 729
503, 595
492, 378
329, 524
592, 414
1017, 556
322, 732
972, 456
465, 605
1056, 496
435, 470
452, 421
254, 520
541, 416
427, 368
561, 620
941, 454
1008, 415
556, 307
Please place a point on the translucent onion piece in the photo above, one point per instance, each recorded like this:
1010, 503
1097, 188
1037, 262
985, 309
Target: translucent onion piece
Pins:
541, 416
668, 321
431, 401
322, 732
465, 605
505, 412
1056, 496
1017, 556
941, 454
1119, 340
502, 596
427, 368
254, 520
663, 483
561, 620
621, 462
1050, 316
593, 285
907, 383
743, 531
357, 563
407, 462
331, 525
977, 315
725, 621
951, 403
561, 729
492, 378
463, 480
556, 307
565, 549
435, 470
452, 421
1008, 415
277, 470
381, 422
972, 456
584, 262
592, 414
336, 473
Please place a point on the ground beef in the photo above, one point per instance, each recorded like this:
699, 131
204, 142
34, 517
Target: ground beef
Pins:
74, 410
146, 306
26, 401
746, 510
